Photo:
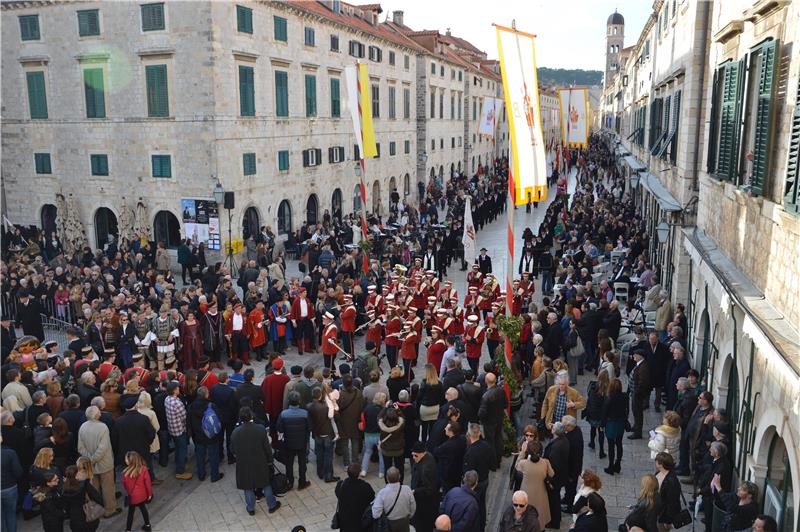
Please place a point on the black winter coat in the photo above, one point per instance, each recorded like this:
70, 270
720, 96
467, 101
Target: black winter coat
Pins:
450, 459
250, 445
557, 451
670, 493
134, 433
354, 496
195, 415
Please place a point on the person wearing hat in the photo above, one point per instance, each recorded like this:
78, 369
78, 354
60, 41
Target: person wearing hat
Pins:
280, 333
475, 277
330, 334
74, 339
639, 392
416, 325
29, 315
492, 330
375, 300
214, 345
302, 315
258, 330
471, 299
107, 366
394, 324
205, 375
348, 320
425, 486
165, 330
374, 329
9, 336
272, 387
237, 331
484, 262
408, 348
437, 347
430, 314
474, 336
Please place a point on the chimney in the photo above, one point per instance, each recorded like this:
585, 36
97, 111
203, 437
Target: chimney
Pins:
448, 32
397, 18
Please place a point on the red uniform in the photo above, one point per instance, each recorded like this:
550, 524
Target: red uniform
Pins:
436, 353
329, 333
104, 369
375, 301
474, 335
374, 333
132, 373
420, 298
348, 317
258, 336
491, 323
474, 278
393, 326
458, 321
407, 349
208, 379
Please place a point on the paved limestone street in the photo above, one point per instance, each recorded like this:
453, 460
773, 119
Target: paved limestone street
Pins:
194, 505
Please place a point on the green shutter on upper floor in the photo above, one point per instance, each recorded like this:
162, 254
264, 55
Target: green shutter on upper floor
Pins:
283, 160
249, 163
764, 115
37, 94
244, 19
157, 91
162, 165
311, 95
281, 93
791, 191
94, 89
336, 105
99, 164
247, 101
29, 27
280, 33
42, 163
152, 17
728, 147
88, 22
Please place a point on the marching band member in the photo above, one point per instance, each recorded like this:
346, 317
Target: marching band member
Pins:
474, 277
494, 286
348, 320
302, 316
471, 300
528, 287
393, 326
329, 335
432, 282
447, 294
420, 296
165, 330
374, 330
437, 347
108, 365
416, 324
374, 299
459, 314
408, 348
237, 331
258, 333
519, 298
430, 314
416, 268
474, 335
492, 332
485, 298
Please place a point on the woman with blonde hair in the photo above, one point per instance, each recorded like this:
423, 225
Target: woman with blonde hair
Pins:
648, 506
42, 466
85, 471
667, 436
430, 398
137, 483
145, 407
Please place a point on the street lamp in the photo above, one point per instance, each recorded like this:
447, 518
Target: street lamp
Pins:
219, 193
662, 231
635, 181
357, 169
219, 197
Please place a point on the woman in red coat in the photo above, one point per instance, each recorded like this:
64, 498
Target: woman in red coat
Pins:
191, 341
139, 487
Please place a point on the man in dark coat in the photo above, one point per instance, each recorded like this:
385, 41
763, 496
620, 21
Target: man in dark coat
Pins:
612, 321
223, 395
657, 358
471, 394
253, 453
425, 485
574, 436
9, 336
553, 337
589, 324
491, 415
204, 445
294, 424
248, 394
484, 262
134, 433
450, 456
479, 458
461, 504
678, 367
29, 315
74, 416
639, 390
453, 376
557, 451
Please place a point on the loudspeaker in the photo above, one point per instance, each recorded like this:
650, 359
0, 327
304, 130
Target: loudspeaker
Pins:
229, 201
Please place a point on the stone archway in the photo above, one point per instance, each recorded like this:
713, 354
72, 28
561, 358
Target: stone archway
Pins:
48, 219
167, 229
251, 223
105, 226
312, 209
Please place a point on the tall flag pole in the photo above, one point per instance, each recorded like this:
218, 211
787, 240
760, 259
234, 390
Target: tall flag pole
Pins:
527, 172
361, 113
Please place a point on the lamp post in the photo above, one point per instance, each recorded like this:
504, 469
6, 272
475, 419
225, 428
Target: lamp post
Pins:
634, 186
219, 197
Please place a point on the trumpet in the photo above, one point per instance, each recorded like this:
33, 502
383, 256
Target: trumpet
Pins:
489, 330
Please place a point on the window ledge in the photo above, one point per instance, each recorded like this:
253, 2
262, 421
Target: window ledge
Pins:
241, 55
728, 31
93, 58
150, 52
764, 7
34, 59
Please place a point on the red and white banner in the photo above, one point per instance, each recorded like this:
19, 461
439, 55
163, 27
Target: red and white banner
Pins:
574, 104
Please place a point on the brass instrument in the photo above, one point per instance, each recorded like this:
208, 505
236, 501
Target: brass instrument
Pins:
400, 269
489, 330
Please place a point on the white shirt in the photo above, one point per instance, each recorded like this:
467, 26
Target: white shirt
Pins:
238, 322
303, 308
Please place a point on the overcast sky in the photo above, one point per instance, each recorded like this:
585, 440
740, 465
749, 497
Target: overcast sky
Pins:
570, 33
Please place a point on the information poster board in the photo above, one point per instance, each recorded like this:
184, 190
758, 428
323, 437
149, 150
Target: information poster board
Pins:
201, 221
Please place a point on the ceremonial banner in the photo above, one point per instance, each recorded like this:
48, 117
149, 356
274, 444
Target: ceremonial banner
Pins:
470, 245
358, 99
521, 87
491, 110
574, 104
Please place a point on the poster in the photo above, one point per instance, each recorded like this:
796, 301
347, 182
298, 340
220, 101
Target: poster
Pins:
201, 221
574, 120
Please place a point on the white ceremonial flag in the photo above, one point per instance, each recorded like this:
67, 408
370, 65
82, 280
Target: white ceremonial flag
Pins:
470, 244
491, 110
574, 121
521, 87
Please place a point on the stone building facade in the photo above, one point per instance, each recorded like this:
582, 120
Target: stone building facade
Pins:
719, 172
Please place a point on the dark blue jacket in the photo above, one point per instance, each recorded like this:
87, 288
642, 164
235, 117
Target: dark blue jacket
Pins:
224, 397
461, 504
295, 425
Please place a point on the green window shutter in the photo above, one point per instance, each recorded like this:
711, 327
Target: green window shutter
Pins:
247, 102
283, 160
29, 27
99, 164
88, 22
281, 93
672, 141
244, 19
791, 191
157, 91
152, 17
280, 29
311, 95
249, 163
730, 119
37, 94
336, 107
42, 163
162, 165
764, 116
95, 93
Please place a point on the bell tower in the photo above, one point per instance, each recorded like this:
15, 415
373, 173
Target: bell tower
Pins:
615, 37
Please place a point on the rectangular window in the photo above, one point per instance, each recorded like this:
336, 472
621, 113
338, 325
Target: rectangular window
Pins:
99, 164
311, 95
93, 89
441, 70
452, 73
433, 67
392, 103
375, 54
392, 148
452, 106
441, 144
42, 163
162, 165
249, 163
283, 161
157, 91
356, 49
460, 76
433, 103
244, 19
441, 103
280, 32
407, 147
356, 153
37, 94
730, 118
89, 22
334, 43
336, 102
391, 58
474, 109
376, 101
312, 157
406, 103
335, 154
309, 38
247, 97
459, 105
152, 17
281, 93
433, 144
406, 62
29, 27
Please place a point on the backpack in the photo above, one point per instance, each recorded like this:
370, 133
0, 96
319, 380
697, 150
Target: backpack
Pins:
360, 370
210, 423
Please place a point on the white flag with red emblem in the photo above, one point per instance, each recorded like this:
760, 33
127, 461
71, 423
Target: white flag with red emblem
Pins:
470, 244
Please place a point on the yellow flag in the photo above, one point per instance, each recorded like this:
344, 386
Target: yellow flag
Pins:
367, 129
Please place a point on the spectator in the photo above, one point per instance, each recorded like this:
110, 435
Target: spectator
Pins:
765, 523
574, 436
250, 395
12, 473
94, 443
294, 425
372, 433
351, 403
479, 457
669, 490
741, 507
205, 444
353, 497
430, 398
558, 452
595, 396
223, 395
590, 483
17, 389
561, 400
461, 504
520, 516
667, 436
425, 486
595, 519
657, 358
450, 456
374, 387
136, 479
87, 390
396, 502
177, 427
254, 466
614, 417
272, 387
536, 474
648, 507
323, 432
145, 407
491, 415
75, 494
639, 390
392, 442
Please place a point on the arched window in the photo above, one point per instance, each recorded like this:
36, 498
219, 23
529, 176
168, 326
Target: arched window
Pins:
376, 197
336, 204
452, 170
406, 185
167, 229
459, 167
433, 172
441, 170
778, 495
284, 218
49, 213
357, 198
312, 208
250, 223
732, 406
105, 225
392, 184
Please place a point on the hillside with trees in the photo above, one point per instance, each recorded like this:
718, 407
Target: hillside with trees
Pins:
561, 77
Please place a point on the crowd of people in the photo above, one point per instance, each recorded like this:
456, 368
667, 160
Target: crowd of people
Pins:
151, 368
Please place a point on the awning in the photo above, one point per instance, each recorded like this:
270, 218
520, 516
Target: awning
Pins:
666, 200
633, 163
